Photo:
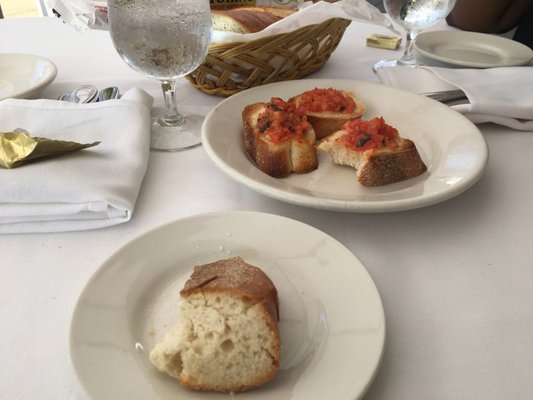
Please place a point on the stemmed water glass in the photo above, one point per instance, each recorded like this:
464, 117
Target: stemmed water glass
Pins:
413, 16
165, 40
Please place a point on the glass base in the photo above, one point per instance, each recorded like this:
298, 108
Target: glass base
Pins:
394, 63
176, 138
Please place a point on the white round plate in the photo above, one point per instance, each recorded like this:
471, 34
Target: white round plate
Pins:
24, 75
332, 323
472, 49
452, 148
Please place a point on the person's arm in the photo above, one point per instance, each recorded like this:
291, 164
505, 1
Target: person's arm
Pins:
493, 16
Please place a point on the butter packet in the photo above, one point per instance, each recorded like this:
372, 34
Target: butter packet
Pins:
383, 41
18, 148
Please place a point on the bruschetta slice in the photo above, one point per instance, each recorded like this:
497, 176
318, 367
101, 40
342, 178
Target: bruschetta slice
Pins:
278, 138
327, 109
376, 150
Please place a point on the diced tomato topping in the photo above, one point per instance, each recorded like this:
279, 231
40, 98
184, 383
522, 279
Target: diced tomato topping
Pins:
333, 100
282, 120
363, 135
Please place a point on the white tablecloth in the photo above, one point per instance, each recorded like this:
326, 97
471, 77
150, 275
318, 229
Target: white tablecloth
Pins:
456, 278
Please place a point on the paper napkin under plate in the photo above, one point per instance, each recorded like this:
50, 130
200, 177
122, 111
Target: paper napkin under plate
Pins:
499, 95
88, 189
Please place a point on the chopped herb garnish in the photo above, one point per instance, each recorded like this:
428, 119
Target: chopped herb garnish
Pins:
264, 127
362, 140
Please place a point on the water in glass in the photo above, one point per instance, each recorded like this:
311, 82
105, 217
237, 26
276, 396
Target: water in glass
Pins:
165, 40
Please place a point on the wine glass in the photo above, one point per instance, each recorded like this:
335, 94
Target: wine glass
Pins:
164, 39
413, 16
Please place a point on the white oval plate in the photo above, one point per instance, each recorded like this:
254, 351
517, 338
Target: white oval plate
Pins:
472, 49
452, 148
24, 75
332, 322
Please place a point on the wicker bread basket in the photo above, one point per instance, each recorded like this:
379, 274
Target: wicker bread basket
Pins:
232, 67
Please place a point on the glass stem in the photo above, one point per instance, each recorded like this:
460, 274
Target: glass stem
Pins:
171, 116
408, 56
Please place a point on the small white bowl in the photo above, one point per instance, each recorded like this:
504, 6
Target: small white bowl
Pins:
24, 75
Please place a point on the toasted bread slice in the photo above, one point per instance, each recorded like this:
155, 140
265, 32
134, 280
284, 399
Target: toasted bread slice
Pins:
278, 140
328, 109
392, 160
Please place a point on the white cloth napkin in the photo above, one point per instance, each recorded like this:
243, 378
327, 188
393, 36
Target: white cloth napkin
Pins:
500, 95
87, 189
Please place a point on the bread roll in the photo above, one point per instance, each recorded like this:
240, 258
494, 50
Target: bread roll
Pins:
227, 337
391, 160
247, 19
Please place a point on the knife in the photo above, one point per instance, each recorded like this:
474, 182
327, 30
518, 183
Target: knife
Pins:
448, 97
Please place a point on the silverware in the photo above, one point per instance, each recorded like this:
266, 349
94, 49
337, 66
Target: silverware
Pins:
108, 93
82, 94
448, 97
89, 94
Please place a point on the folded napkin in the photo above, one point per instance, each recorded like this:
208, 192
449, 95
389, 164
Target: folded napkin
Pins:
500, 95
87, 189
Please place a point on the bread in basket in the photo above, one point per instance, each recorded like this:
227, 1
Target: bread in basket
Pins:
232, 67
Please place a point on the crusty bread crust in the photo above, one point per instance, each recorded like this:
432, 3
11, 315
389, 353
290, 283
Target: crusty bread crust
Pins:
281, 12
386, 166
326, 122
237, 276
277, 159
377, 166
247, 19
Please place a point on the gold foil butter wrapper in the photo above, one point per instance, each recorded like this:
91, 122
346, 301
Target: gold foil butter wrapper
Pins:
383, 41
18, 148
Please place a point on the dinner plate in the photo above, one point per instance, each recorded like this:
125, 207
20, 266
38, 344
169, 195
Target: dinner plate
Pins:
452, 148
472, 49
24, 75
332, 322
